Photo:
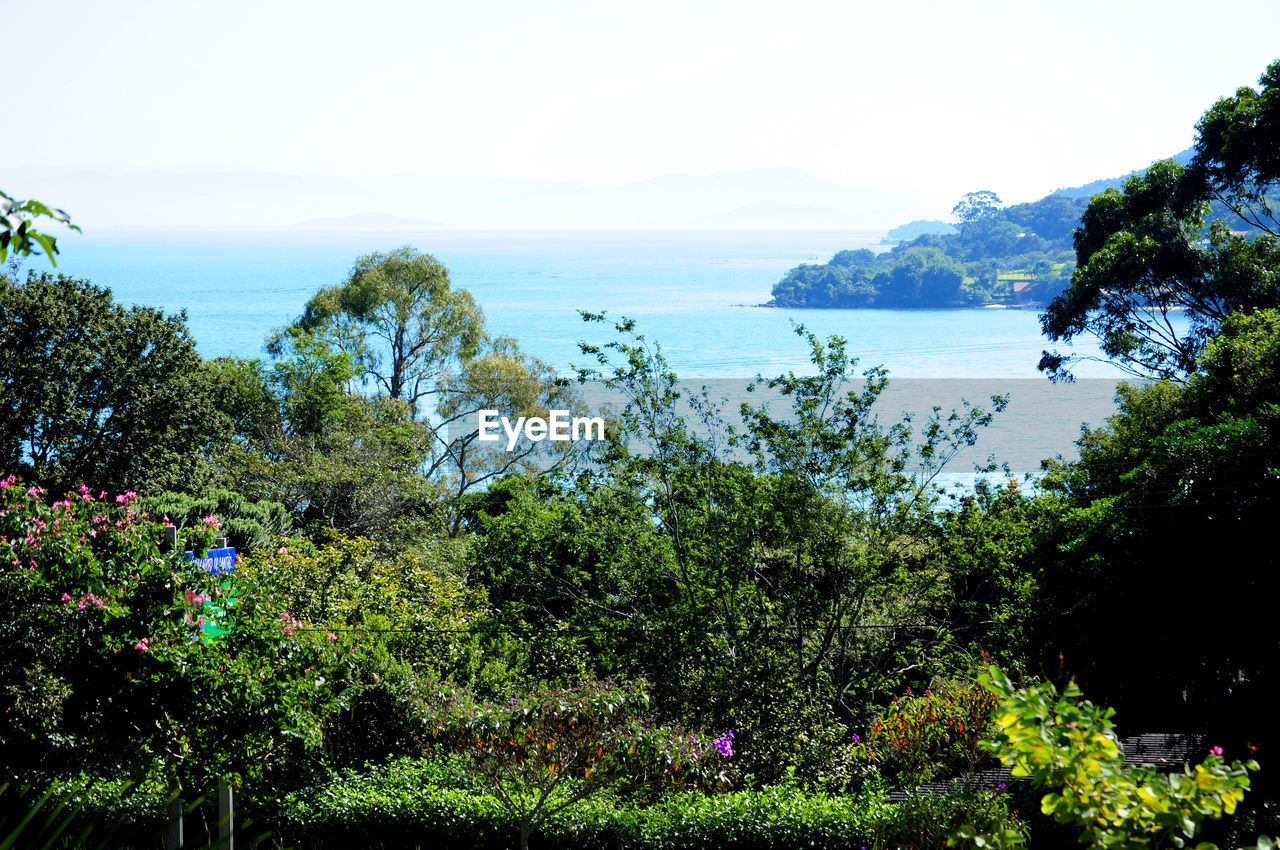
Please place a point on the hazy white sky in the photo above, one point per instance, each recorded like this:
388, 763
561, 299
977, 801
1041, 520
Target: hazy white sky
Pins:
1017, 97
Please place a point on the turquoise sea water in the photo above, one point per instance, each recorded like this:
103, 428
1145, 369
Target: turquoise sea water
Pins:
687, 290
692, 292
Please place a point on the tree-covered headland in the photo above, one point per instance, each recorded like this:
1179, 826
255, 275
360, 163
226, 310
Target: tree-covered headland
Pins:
754, 627
1016, 255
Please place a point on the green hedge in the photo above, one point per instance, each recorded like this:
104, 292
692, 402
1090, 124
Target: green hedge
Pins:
408, 804
413, 804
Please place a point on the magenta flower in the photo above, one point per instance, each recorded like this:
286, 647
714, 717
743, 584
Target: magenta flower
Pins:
1215, 751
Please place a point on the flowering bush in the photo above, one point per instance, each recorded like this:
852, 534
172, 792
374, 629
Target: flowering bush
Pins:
94, 613
102, 662
939, 732
540, 755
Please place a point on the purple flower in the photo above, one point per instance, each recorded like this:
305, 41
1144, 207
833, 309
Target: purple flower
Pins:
724, 744
856, 738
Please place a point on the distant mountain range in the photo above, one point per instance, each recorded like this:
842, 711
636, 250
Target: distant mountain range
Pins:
1088, 190
769, 214
105, 198
138, 197
374, 222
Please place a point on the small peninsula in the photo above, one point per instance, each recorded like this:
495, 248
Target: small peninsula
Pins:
1017, 256
993, 256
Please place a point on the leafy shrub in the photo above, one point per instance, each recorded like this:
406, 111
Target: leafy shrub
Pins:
542, 755
940, 732
248, 526
932, 820
410, 803
97, 620
103, 667
1068, 747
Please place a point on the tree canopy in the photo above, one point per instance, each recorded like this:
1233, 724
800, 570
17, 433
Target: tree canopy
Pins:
403, 329
94, 392
1152, 251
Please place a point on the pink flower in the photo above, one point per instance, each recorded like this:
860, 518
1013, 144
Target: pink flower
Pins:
332, 636
36, 492
1215, 751
66, 597
141, 645
211, 521
289, 622
125, 498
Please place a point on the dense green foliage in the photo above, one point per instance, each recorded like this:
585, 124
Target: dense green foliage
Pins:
733, 627
94, 392
248, 526
1183, 477
1067, 746
406, 802
424, 347
559, 747
1157, 247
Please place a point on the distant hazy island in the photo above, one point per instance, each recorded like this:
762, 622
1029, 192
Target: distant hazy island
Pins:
919, 227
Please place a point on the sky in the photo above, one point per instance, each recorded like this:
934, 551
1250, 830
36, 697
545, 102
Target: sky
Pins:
1020, 98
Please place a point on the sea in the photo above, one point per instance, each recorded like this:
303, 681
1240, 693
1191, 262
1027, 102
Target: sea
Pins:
694, 294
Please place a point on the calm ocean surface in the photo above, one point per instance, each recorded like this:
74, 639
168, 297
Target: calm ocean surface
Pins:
690, 291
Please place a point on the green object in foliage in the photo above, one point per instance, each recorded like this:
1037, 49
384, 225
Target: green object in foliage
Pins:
217, 618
